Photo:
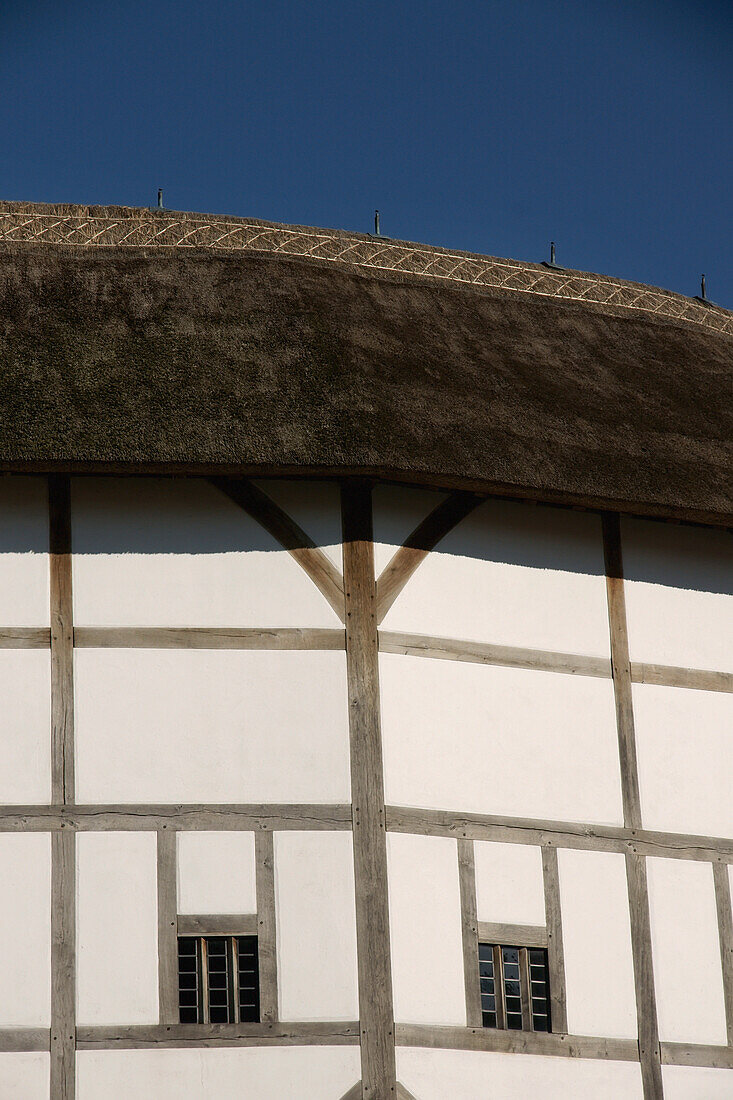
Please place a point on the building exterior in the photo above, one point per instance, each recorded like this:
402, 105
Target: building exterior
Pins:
366, 653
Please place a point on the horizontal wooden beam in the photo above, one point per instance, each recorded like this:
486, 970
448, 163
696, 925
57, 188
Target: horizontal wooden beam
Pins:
694, 1054
127, 817
18, 1040
453, 649
25, 637
160, 637
142, 1036
515, 1042
291, 537
561, 834
216, 925
513, 935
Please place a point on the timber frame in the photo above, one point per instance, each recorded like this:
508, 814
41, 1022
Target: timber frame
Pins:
360, 600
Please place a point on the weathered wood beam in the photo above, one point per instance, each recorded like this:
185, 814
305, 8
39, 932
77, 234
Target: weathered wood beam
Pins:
516, 1042
514, 935
146, 1036
636, 876
129, 817
160, 637
19, 1040
25, 637
376, 1013
167, 928
469, 932
452, 649
418, 545
291, 537
555, 945
721, 881
232, 924
266, 927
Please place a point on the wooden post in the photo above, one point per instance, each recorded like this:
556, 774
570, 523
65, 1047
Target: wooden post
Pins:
167, 928
469, 928
376, 1011
266, 942
555, 949
63, 841
636, 876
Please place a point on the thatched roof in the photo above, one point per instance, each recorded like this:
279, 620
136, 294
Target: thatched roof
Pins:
137, 340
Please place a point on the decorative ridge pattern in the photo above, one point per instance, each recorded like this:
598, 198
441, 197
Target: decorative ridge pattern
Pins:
141, 230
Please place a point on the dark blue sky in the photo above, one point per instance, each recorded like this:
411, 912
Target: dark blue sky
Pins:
605, 125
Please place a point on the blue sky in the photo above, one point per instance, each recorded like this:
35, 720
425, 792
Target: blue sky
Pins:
606, 125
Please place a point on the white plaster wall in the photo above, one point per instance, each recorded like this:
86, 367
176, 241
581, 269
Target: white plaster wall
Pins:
679, 594
425, 929
396, 512
216, 873
24, 551
117, 928
25, 726
168, 552
477, 1075
684, 744
509, 883
211, 726
494, 740
316, 926
25, 932
24, 1076
686, 951
596, 928
274, 1073
696, 1083
316, 508
512, 574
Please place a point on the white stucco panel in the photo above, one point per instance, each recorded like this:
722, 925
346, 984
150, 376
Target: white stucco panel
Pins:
274, 1073
478, 1075
211, 726
216, 873
686, 951
25, 932
316, 926
117, 928
697, 1083
25, 726
24, 1076
512, 574
509, 883
425, 928
684, 744
24, 551
178, 552
494, 740
679, 594
596, 928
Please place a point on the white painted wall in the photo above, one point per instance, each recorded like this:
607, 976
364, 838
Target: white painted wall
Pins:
596, 929
24, 551
696, 1083
216, 873
513, 574
679, 594
211, 726
686, 952
509, 883
274, 1073
684, 744
316, 926
25, 726
396, 512
478, 1075
316, 508
25, 932
24, 1076
499, 740
168, 552
425, 929
117, 928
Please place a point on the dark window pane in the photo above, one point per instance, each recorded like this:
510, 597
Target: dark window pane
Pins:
189, 980
488, 1019
249, 980
510, 954
189, 1015
485, 952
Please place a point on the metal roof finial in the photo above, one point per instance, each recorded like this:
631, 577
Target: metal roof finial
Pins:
376, 223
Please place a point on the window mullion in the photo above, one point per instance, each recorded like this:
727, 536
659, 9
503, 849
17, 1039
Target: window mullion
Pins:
525, 988
204, 980
499, 987
233, 960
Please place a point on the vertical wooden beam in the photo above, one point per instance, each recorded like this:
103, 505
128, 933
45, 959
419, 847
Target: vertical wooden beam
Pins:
469, 929
555, 949
167, 932
63, 841
636, 876
266, 931
376, 1011
725, 933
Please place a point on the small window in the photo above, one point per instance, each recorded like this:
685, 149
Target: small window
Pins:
218, 980
515, 992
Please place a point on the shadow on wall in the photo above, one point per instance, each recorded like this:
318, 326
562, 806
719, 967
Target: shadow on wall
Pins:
191, 516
